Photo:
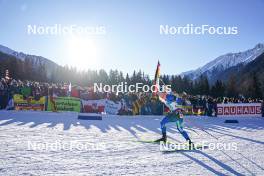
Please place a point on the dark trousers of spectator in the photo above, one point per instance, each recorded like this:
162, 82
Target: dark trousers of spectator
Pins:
262, 109
3, 101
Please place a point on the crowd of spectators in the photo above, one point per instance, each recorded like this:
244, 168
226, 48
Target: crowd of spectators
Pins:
9, 87
36, 90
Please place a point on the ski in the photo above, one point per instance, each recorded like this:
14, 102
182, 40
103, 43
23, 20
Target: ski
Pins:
153, 141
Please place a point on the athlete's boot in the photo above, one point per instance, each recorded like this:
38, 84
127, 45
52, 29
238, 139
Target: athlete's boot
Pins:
191, 144
163, 138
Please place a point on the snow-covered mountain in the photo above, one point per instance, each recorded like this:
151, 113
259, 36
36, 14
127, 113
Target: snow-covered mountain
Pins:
23, 56
37, 60
224, 62
6, 50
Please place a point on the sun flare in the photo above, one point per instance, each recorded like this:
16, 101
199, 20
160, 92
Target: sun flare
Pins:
82, 53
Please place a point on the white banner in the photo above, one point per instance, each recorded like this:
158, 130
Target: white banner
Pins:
112, 107
239, 110
102, 105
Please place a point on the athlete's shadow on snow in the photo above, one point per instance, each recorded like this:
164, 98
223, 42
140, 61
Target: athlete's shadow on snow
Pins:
215, 128
207, 162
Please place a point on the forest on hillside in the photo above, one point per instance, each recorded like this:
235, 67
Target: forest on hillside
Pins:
248, 84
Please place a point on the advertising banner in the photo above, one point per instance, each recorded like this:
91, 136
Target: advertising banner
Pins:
93, 106
64, 104
103, 105
29, 103
239, 110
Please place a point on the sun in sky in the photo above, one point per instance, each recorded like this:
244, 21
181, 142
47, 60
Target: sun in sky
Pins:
82, 52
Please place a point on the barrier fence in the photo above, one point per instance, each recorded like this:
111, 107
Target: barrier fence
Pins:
46, 103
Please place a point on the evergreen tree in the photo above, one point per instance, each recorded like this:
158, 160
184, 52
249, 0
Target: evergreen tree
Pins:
218, 89
231, 89
257, 87
251, 87
128, 79
201, 86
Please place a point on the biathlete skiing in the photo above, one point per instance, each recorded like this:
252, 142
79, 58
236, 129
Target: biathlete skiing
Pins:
174, 105
175, 115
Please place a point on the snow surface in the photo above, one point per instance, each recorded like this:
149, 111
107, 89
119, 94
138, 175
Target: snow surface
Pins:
121, 154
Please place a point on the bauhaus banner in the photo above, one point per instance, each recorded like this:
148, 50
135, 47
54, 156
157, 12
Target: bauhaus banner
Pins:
239, 110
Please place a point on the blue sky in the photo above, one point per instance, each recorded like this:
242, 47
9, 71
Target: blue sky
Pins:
132, 39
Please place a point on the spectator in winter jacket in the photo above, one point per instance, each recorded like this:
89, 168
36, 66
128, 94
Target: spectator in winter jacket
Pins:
3, 94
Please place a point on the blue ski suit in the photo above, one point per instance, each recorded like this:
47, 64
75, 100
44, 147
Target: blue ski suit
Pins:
177, 117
